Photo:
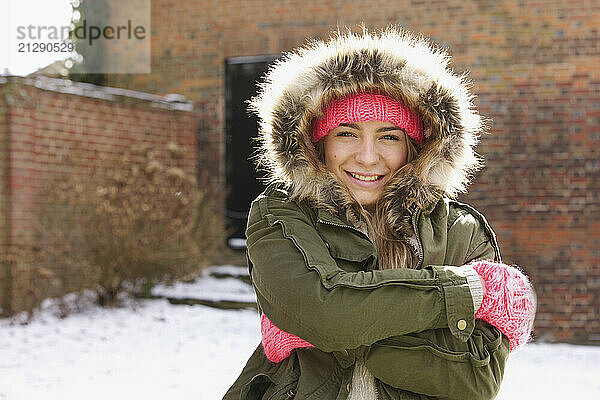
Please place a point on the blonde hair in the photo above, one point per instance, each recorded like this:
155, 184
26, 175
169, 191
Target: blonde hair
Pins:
412, 151
393, 249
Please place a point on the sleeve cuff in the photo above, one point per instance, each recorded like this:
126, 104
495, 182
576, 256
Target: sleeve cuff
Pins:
474, 284
458, 300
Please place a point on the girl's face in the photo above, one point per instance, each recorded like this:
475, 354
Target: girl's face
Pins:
364, 156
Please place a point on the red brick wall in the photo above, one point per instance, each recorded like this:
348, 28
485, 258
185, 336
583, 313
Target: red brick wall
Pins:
4, 206
540, 190
535, 66
41, 125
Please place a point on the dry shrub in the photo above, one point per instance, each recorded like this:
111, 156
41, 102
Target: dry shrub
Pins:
132, 223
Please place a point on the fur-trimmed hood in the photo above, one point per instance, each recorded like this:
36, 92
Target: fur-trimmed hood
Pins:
394, 63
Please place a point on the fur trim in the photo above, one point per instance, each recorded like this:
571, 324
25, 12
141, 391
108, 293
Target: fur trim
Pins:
394, 63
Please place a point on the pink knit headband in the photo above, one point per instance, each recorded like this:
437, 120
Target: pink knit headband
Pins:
362, 107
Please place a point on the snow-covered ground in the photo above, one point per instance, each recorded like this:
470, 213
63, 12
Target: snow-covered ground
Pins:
154, 350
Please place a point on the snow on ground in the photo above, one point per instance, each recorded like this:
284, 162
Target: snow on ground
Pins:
552, 372
154, 350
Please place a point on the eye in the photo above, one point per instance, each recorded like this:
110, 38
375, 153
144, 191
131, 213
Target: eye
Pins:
344, 133
391, 137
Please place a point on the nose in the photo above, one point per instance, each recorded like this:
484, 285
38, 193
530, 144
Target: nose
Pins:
367, 153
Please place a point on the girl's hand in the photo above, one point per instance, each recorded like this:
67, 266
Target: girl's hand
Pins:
278, 344
509, 300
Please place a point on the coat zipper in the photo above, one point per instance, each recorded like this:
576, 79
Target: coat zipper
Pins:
419, 246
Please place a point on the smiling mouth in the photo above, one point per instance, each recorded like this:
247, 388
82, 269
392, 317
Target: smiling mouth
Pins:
365, 178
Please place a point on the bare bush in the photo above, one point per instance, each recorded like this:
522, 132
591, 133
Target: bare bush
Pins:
133, 222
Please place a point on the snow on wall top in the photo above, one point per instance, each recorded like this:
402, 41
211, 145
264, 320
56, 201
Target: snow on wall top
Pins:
168, 101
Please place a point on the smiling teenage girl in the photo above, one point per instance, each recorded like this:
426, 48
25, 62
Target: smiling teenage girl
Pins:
370, 278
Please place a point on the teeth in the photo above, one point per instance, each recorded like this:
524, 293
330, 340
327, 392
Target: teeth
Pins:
365, 178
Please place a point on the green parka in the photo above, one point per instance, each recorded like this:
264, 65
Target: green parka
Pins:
317, 276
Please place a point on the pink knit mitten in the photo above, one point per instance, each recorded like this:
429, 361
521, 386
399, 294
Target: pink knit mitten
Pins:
277, 343
509, 303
